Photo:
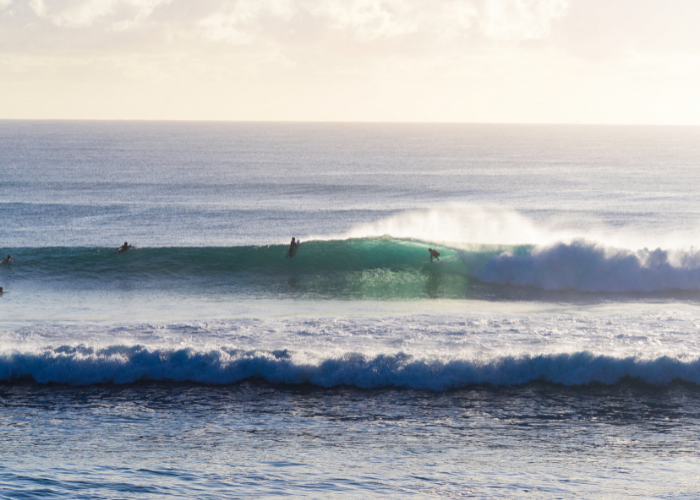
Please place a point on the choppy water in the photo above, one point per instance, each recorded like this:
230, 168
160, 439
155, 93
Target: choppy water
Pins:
553, 351
257, 440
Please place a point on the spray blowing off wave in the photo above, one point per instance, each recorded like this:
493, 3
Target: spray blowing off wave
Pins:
501, 246
470, 224
458, 224
121, 364
590, 267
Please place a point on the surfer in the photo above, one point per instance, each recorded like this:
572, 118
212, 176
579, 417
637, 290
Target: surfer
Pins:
293, 247
1, 290
124, 247
435, 254
7, 260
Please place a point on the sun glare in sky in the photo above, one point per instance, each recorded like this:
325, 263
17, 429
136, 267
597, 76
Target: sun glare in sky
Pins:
524, 61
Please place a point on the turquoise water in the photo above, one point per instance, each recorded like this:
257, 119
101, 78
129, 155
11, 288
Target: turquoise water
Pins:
371, 268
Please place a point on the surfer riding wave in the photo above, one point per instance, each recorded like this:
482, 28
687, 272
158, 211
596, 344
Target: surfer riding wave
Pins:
434, 254
293, 247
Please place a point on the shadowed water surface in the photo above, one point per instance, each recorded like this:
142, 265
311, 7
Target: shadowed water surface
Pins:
249, 440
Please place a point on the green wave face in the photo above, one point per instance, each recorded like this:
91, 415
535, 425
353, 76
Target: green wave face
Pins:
370, 268
382, 269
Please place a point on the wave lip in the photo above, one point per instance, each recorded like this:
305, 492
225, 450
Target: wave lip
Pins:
591, 267
127, 364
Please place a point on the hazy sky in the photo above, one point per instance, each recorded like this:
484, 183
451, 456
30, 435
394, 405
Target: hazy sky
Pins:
527, 61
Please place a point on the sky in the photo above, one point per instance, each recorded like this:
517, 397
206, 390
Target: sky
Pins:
473, 61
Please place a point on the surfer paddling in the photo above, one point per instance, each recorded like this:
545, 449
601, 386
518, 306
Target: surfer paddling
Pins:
293, 247
434, 254
124, 247
7, 260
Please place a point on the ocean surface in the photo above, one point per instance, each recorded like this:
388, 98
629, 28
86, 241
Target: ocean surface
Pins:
552, 352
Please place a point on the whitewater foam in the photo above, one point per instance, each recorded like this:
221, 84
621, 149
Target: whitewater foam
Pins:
591, 267
120, 364
437, 352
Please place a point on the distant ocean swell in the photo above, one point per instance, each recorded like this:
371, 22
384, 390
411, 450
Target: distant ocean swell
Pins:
371, 268
122, 364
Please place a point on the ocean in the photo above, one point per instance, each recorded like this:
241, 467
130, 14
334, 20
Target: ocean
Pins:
552, 352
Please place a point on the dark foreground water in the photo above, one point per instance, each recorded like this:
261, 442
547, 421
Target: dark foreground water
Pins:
258, 440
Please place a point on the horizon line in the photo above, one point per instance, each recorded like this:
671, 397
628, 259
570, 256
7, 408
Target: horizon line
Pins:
346, 122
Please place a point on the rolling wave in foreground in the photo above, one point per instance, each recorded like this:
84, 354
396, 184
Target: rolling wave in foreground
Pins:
128, 364
369, 268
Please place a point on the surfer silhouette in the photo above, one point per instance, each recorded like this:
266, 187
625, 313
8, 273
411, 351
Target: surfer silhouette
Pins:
7, 260
124, 247
293, 247
434, 254
1, 290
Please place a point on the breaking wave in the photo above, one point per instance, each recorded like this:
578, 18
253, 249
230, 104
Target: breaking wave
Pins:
372, 268
591, 267
127, 364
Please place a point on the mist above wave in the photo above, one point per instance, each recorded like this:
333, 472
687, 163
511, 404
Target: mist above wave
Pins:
460, 224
